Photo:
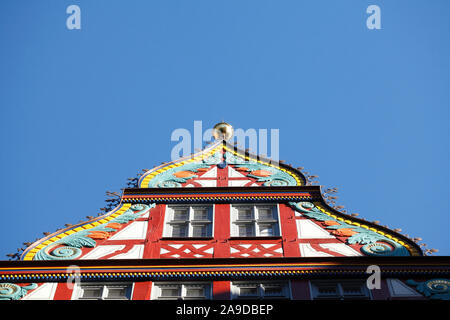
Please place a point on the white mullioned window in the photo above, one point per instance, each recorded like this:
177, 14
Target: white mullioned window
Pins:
339, 290
181, 291
188, 221
102, 291
254, 221
260, 290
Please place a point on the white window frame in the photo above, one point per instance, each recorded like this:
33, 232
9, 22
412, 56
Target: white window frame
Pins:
183, 286
77, 293
260, 286
340, 294
190, 221
255, 222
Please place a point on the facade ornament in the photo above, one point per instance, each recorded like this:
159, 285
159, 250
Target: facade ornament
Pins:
69, 247
175, 177
436, 289
374, 243
11, 291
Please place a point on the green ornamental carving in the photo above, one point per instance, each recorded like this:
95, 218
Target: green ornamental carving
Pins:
69, 247
436, 289
277, 178
167, 179
231, 158
215, 158
374, 244
11, 291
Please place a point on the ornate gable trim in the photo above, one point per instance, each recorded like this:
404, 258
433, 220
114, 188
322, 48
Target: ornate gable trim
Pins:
66, 244
375, 241
173, 174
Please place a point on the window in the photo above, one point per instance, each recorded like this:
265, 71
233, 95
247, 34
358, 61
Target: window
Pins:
98, 291
260, 290
339, 290
254, 221
188, 221
182, 291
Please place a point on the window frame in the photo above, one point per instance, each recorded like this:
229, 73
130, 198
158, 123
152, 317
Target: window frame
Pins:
183, 285
340, 294
235, 287
255, 222
78, 290
190, 222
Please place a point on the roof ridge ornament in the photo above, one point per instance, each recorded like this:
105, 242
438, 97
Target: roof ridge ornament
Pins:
223, 131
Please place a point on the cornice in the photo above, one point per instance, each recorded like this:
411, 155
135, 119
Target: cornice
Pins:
221, 268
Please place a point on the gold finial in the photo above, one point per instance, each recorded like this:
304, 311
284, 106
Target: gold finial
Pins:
223, 131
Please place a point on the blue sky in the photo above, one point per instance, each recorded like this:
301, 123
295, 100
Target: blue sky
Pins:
365, 110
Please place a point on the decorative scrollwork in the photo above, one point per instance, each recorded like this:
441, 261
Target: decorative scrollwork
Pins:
374, 243
276, 183
66, 252
168, 184
215, 158
138, 207
309, 210
434, 289
307, 205
272, 176
53, 252
171, 179
10, 291
438, 286
69, 247
383, 248
233, 159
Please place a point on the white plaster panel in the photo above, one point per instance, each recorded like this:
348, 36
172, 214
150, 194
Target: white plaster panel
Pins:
136, 252
232, 173
102, 251
135, 231
211, 173
238, 183
307, 229
207, 183
306, 250
44, 292
341, 248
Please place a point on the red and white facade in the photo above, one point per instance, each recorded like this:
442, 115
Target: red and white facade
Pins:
221, 224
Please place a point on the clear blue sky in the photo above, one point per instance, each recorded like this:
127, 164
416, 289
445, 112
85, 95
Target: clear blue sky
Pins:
365, 110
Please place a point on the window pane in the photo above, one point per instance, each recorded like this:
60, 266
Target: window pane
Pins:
245, 214
246, 230
179, 230
248, 291
265, 214
117, 292
327, 290
266, 230
352, 289
170, 292
200, 214
273, 291
340, 290
180, 214
195, 292
199, 231
92, 292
